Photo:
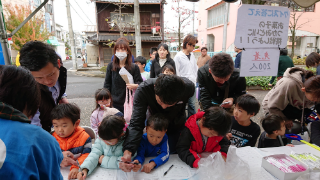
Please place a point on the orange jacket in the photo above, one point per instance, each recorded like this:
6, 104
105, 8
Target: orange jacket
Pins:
79, 143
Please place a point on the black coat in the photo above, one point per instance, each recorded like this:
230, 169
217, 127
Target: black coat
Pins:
144, 99
210, 92
156, 69
117, 86
47, 103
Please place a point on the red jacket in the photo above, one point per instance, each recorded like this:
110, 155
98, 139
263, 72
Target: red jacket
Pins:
190, 143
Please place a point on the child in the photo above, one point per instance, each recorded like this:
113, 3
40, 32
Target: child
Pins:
244, 132
107, 149
103, 108
153, 53
204, 132
315, 128
153, 143
70, 136
168, 69
273, 126
141, 62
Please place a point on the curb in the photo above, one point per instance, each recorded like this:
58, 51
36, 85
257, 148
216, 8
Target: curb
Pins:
81, 73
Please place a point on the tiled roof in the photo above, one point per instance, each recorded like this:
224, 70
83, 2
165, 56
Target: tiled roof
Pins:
144, 37
132, 1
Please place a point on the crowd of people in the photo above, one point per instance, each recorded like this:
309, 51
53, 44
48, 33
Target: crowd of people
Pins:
40, 130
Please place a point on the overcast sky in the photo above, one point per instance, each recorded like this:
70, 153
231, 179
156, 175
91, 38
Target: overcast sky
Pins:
86, 16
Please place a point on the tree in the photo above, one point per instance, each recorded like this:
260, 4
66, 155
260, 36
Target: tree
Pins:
184, 17
34, 29
260, 2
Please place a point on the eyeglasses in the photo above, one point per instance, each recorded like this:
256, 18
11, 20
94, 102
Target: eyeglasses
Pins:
192, 45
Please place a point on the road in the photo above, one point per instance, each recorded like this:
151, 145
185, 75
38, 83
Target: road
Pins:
68, 64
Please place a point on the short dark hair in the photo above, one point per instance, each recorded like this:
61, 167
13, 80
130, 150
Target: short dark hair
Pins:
69, 110
221, 65
141, 59
111, 127
217, 119
312, 59
19, 89
283, 52
204, 48
169, 88
271, 123
317, 108
35, 55
154, 49
248, 103
158, 122
189, 40
169, 67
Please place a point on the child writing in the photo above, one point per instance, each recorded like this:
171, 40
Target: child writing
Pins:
204, 132
153, 143
70, 136
273, 126
103, 108
141, 63
315, 128
168, 69
107, 149
244, 132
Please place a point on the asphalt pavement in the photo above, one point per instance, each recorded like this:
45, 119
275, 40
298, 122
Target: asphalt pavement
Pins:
68, 64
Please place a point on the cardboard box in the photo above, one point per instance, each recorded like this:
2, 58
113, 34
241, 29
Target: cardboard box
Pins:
280, 174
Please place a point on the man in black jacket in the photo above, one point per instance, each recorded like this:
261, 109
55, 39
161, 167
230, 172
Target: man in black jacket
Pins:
46, 67
219, 82
168, 94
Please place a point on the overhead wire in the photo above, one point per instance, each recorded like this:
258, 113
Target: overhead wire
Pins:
83, 12
78, 14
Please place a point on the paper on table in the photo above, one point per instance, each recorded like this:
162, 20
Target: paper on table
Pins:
123, 71
98, 173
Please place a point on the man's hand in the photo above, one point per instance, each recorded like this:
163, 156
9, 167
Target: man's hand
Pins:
67, 159
101, 158
136, 167
148, 167
290, 145
82, 177
230, 100
289, 124
63, 101
126, 167
229, 136
132, 86
73, 173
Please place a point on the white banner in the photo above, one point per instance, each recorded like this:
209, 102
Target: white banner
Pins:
261, 26
259, 62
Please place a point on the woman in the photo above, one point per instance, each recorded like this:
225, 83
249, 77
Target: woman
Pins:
28, 151
113, 81
293, 95
313, 60
162, 58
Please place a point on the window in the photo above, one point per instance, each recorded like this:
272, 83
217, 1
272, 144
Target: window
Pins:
125, 17
291, 5
58, 34
155, 18
216, 16
309, 45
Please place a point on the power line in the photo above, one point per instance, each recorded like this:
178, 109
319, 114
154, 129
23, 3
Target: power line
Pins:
78, 14
103, 8
83, 11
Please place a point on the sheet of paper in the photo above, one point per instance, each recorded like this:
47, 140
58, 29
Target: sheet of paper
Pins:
98, 173
125, 78
123, 71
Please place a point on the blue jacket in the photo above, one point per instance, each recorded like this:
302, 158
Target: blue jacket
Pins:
147, 150
148, 66
237, 61
29, 152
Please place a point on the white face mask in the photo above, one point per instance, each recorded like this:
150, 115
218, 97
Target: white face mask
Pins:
121, 55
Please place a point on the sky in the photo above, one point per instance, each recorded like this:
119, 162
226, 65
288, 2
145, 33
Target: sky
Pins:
83, 13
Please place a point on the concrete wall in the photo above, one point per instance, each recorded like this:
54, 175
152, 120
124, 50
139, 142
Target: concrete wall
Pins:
92, 54
61, 50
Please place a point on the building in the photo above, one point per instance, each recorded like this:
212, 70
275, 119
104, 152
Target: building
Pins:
211, 21
172, 39
108, 32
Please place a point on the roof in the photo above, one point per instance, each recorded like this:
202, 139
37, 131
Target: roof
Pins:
132, 1
144, 37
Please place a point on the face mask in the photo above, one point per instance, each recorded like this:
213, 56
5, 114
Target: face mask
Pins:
121, 55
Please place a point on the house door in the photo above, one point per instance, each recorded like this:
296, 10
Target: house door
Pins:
210, 42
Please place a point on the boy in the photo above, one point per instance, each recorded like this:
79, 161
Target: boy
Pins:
244, 132
273, 126
141, 62
204, 132
70, 136
153, 143
153, 53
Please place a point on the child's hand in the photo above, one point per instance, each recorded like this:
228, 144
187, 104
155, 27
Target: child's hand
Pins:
100, 159
148, 167
291, 145
82, 177
136, 167
229, 136
73, 173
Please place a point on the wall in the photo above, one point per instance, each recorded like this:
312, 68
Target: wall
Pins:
92, 54
61, 50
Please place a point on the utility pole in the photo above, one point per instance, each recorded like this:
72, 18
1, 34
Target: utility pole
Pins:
224, 41
71, 35
120, 20
137, 27
53, 20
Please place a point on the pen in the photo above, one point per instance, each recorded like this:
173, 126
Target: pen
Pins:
168, 170
129, 162
80, 170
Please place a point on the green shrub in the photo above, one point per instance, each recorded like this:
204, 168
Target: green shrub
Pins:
301, 61
103, 69
314, 70
261, 81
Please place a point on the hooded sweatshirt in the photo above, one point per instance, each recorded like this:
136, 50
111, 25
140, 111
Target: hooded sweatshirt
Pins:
286, 92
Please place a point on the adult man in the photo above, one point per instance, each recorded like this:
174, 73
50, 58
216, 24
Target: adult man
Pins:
219, 82
237, 61
186, 66
204, 58
46, 67
168, 95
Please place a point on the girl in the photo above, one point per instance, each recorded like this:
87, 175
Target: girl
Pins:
162, 58
107, 149
113, 81
168, 69
103, 108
